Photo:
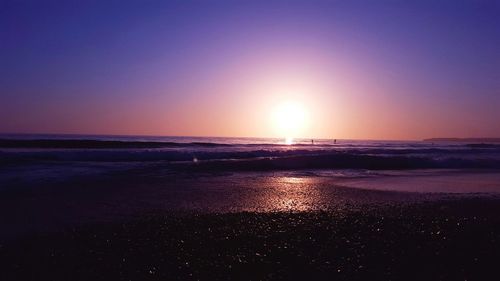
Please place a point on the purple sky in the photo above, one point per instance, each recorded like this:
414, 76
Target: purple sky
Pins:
360, 69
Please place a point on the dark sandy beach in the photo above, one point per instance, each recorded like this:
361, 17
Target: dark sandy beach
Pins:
444, 240
251, 226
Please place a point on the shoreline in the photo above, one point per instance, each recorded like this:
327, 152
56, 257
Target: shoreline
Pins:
50, 205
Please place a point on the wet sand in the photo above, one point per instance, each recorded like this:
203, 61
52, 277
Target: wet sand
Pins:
50, 204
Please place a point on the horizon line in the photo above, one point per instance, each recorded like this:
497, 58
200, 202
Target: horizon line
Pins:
234, 137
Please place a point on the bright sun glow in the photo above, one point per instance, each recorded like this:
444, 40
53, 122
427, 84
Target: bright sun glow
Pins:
289, 118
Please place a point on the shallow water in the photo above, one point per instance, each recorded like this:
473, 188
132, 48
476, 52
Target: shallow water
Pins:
434, 181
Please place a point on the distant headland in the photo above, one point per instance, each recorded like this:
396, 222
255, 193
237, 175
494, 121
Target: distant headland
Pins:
470, 140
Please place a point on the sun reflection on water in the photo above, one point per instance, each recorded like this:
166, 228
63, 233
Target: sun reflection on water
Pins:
290, 193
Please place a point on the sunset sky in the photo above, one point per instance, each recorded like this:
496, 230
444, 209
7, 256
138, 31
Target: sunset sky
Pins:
356, 69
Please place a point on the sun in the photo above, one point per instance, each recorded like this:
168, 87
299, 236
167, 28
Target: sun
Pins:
289, 119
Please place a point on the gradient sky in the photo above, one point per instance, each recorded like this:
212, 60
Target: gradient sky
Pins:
361, 69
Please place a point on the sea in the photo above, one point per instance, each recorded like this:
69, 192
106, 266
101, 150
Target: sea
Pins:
26, 159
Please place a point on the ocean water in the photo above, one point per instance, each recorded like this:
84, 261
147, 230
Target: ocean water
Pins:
31, 159
241, 153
